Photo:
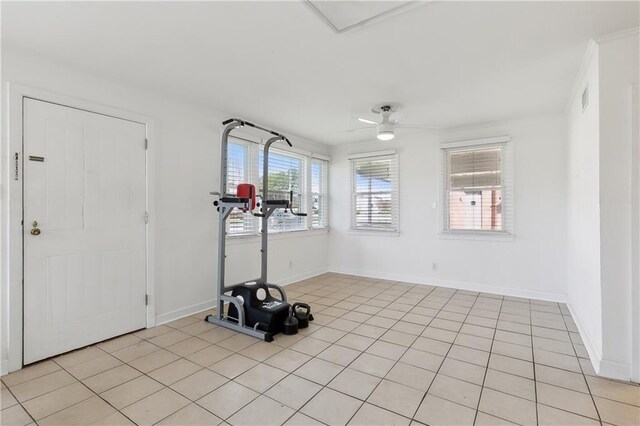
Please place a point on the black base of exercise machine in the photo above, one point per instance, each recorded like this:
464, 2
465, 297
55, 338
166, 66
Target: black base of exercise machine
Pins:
252, 308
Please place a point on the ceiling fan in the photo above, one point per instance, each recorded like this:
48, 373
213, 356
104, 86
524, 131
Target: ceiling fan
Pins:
386, 128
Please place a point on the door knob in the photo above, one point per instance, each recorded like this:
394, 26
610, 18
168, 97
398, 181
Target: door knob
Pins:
35, 230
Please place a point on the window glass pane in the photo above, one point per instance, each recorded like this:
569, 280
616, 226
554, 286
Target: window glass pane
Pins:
237, 162
475, 189
285, 180
375, 197
479, 210
318, 191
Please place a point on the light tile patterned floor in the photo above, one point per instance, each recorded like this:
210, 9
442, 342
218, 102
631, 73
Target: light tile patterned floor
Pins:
378, 352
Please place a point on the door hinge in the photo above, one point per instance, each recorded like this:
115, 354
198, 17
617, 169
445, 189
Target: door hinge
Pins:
146, 300
146, 217
146, 143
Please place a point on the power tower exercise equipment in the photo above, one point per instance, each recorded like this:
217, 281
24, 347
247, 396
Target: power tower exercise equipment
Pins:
252, 309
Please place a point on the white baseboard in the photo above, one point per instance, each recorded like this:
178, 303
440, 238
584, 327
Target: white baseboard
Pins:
185, 312
299, 277
602, 367
461, 285
4, 367
615, 370
210, 304
594, 353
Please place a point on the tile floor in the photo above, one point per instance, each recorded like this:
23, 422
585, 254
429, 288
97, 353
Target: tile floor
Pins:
378, 352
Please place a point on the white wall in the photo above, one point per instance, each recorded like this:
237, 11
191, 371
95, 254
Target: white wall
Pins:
531, 265
583, 209
619, 70
186, 152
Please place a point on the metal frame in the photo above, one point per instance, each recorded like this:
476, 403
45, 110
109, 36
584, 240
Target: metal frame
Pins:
226, 204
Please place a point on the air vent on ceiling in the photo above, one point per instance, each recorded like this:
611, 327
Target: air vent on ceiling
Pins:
585, 98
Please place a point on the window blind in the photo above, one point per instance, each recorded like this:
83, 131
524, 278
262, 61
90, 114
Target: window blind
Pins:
238, 171
319, 193
375, 192
476, 197
286, 174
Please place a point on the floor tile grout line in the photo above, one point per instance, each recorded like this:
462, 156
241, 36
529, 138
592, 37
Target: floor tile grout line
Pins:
486, 370
436, 375
345, 367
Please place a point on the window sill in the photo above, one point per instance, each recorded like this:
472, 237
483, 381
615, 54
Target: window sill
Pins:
373, 232
283, 235
477, 236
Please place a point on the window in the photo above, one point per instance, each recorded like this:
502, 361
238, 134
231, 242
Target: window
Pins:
319, 193
374, 204
477, 187
288, 176
238, 171
286, 181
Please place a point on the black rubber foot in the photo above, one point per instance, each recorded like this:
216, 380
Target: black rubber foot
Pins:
268, 337
206, 319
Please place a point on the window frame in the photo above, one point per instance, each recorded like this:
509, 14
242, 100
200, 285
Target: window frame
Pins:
323, 191
254, 148
506, 184
394, 228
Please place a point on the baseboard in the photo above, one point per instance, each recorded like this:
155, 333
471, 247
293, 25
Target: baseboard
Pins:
299, 277
594, 353
461, 285
4, 367
615, 370
185, 312
209, 304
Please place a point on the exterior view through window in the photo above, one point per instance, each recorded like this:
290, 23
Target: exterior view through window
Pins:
288, 177
375, 193
474, 189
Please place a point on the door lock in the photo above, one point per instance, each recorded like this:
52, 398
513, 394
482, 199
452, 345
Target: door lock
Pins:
35, 230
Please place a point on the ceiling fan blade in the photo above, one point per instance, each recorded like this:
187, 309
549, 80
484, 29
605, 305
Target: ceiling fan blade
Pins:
417, 126
359, 128
365, 120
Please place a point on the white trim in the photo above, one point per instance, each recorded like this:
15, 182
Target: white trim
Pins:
475, 142
185, 312
635, 236
4, 367
372, 154
594, 354
211, 304
12, 212
592, 49
275, 236
477, 235
320, 157
460, 285
629, 32
615, 370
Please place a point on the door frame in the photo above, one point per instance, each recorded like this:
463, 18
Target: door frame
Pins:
12, 237
635, 237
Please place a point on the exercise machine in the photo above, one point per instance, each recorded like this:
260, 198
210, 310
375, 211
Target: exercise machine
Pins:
252, 309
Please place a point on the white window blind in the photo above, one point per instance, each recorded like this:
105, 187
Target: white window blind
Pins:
286, 177
477, 188
375, 192
319, 193
239, 171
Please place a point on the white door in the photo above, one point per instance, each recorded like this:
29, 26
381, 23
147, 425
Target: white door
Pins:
85, 192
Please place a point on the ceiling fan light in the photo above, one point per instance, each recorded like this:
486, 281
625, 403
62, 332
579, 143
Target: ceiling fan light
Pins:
386, 135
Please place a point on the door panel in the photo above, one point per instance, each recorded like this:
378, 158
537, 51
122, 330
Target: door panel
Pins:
85, 274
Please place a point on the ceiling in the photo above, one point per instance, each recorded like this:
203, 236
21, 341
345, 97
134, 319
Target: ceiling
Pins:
278, 63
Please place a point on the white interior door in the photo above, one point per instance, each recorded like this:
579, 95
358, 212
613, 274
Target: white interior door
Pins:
85, 191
